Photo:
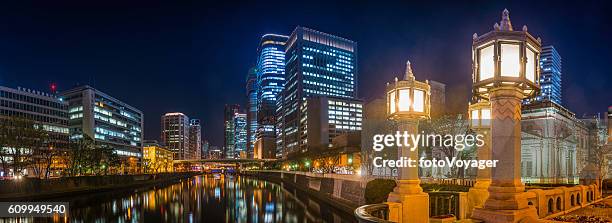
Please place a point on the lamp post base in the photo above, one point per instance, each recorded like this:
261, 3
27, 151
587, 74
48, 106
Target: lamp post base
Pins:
414, 202
525, 215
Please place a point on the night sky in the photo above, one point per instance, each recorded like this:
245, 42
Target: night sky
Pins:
193, 57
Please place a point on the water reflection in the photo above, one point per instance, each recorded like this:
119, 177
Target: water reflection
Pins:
206, 198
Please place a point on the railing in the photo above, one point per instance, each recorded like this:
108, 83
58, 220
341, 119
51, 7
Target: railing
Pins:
373, 213
444, 203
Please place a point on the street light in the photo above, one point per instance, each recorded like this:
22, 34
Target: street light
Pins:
505, 58
407, 103
480, 115
505, 71
408, 98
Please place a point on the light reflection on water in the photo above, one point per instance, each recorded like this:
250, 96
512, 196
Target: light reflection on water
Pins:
206, 198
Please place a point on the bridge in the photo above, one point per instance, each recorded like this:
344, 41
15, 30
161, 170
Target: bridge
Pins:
237, 161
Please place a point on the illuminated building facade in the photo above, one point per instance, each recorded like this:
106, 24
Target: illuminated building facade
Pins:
270, 83
175, 134
550, 75
195, 138
108, 121
41, 108
251, 88
240, 135
156, 158
324, 118
229, 134
317, 64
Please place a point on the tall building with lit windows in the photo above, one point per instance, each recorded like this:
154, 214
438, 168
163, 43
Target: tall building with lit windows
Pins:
240, 135
108, 121
195, 138
251, 90
175, 135
270, 82
316, 64
229, 133
550, 75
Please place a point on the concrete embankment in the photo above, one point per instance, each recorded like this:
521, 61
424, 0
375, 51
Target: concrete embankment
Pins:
344, 194
37, 189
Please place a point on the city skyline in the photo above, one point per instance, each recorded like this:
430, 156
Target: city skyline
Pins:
425, 39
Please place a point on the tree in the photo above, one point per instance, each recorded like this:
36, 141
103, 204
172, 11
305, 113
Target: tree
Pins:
79, 153
444, 126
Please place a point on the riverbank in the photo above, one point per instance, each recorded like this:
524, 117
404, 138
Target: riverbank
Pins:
345, 195
28, 189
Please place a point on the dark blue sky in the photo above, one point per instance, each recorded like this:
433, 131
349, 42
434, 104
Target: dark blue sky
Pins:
193, 57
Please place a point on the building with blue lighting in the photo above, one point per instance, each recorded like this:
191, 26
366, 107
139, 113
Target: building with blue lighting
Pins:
270, 82
316, 64
240, 136
251, 90
550, 75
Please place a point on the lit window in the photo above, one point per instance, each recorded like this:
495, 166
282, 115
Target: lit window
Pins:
510, 64
487, 66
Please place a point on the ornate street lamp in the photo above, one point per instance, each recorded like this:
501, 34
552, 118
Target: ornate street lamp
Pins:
480, 115
480, 123
407, 103
505, 70
408, 98
505, 58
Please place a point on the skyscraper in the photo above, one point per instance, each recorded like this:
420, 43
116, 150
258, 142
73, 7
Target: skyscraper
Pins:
550, 75
270, 82
175, 134
251, 89
317, 64
195, 138
240, 135
228, 129
108, 121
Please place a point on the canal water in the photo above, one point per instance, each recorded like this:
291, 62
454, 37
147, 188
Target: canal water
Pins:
206, 198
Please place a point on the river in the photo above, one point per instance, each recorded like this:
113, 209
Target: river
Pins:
205, 198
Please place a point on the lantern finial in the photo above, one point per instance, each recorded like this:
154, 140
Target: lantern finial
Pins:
505, 23
409, 75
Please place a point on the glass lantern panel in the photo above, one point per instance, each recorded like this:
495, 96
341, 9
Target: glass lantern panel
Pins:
510, 60
485, 116
404, 100
487, 64
419, 101
474, 117
391, 101
530, 67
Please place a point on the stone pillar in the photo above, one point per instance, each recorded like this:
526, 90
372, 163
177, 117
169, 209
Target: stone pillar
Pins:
480, 192
408, 192
507, 201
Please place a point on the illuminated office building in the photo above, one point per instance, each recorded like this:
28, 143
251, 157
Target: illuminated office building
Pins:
324, 118
195, 138
251, 88
550, 75
229, 134
270, 82
156, 158
108, 121
43, 109
175, 134
317, 64
240, 135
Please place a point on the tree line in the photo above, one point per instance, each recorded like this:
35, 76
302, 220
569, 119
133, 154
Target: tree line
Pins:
27, 149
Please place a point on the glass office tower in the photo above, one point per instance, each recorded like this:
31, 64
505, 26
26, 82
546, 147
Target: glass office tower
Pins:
175, 134
229, 129
317, 64
550, 78
251, 89
270, 82
240, 135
